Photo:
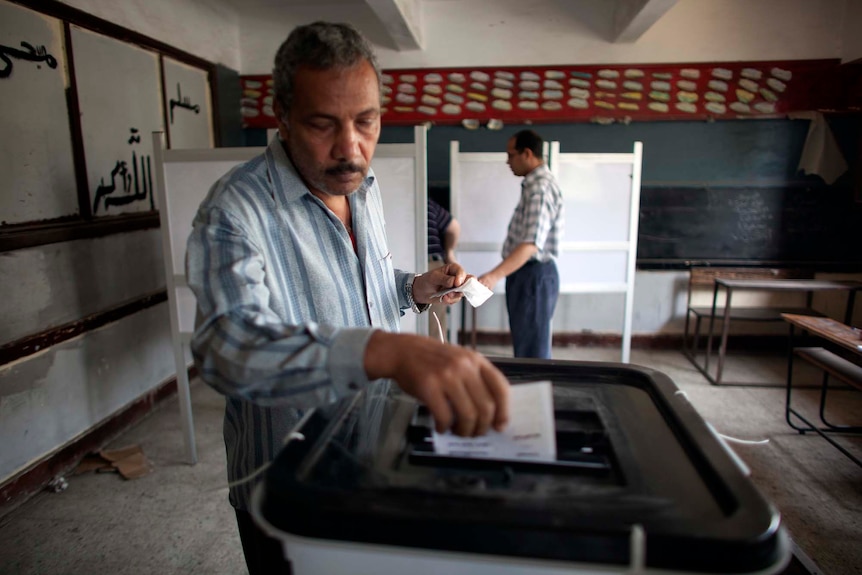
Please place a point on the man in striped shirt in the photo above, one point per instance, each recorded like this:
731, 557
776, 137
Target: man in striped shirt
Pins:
443, 232
298, 302
532, 245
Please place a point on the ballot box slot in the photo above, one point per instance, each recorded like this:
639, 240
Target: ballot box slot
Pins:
583, 447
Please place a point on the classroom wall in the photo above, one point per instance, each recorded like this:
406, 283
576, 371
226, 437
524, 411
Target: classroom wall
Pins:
53, 396
516, 33
852, 38
208, 29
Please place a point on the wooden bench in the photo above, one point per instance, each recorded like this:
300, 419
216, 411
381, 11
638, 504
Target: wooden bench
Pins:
839, 358
702, 279
832, 364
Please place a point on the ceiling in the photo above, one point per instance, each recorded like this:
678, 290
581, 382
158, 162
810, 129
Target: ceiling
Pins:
402, 18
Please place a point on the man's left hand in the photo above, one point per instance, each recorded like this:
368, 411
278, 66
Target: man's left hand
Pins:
440, 279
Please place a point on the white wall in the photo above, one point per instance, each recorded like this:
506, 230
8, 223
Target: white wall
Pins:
852, 48
52, 396
514, 32
208, 29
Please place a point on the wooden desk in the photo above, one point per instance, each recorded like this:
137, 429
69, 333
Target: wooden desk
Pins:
729, 285
842, 360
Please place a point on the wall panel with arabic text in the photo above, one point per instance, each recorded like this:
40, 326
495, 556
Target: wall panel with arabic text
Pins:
37, 173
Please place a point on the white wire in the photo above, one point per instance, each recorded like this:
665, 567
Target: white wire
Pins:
727, 437
439, 327
744, 441
293, 435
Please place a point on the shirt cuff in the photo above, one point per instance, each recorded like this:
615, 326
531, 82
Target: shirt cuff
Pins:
346, 361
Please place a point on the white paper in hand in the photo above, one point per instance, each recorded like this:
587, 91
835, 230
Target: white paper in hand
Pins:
475, 292
529, 435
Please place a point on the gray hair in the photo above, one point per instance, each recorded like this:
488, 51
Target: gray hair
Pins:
320, 46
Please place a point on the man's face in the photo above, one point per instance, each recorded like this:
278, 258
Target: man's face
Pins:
332, 127
517, 160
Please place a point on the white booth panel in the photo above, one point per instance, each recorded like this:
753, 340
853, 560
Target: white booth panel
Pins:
397, 180
478, 263
188, 183
597, 197
489, 193
592, 267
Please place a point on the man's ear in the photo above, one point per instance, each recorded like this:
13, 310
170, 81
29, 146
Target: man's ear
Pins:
280, 118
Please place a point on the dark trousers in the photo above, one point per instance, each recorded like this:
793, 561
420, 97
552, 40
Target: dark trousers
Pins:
531, 296
263, 555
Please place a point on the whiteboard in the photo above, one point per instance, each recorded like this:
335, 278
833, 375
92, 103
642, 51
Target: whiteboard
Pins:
36, 159
601, 195
120, 99
401, 175
189, 106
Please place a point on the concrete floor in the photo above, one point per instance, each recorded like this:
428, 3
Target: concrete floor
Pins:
177, 519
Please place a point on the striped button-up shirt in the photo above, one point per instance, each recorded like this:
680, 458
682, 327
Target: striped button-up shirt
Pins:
285, 304
538, 218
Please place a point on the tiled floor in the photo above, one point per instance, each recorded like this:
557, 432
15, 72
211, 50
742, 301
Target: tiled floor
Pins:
177, 519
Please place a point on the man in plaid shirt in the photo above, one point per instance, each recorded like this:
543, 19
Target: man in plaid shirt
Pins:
531, 248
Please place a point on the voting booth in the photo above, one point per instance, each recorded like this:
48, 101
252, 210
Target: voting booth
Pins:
601, 199
640, 484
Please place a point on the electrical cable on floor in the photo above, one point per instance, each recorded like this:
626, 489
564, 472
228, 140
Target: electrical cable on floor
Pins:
723, 436
292, 436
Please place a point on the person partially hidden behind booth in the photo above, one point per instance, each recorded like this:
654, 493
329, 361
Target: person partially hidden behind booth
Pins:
532, 245
443, 232
298, 302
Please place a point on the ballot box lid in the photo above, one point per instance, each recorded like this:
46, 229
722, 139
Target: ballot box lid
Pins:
633, 455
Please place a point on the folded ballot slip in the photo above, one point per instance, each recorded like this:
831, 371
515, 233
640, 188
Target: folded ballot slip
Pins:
530, 434
473, 290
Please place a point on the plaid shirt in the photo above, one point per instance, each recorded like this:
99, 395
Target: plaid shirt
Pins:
538, 219
285, 304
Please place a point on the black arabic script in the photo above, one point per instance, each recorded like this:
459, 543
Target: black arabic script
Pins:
33, 54
183, 103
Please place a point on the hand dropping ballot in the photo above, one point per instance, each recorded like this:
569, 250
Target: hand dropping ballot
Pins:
529, 435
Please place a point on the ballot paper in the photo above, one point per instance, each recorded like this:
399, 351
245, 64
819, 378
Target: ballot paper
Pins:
528, 436
473, 290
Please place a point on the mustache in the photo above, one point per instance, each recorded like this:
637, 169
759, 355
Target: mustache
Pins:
343, 168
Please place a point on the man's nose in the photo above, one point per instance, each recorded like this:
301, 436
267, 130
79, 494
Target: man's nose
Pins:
346, 146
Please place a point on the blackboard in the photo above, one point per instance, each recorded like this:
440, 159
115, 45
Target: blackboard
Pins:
777, 224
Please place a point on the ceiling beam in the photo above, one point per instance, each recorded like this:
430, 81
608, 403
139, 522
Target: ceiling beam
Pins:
634, 17
401, 18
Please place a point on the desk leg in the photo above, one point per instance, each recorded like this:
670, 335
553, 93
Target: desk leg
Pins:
725, 328
787, 409
848, 314
711, 325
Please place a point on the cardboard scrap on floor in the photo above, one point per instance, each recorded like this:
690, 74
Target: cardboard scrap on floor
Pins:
129, 461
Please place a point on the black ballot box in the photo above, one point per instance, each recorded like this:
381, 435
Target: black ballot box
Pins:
641, 484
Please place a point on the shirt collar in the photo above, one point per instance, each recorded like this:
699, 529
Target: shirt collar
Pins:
538, 172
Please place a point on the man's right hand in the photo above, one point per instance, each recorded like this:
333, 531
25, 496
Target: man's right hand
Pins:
461, 388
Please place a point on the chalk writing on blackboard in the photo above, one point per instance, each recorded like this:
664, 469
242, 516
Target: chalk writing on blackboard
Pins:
33, 54
756, 221
143, 183
183, 103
